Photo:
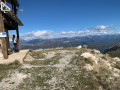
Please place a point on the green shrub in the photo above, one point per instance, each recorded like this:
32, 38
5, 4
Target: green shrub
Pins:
84, 46
30, 50
81, 51
93, 52
16, 63
89, 61
117, 65
37, 55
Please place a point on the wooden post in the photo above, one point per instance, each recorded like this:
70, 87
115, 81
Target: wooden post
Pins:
15, 10
8, 43
5, 1
12, 6
18, 38
4, 41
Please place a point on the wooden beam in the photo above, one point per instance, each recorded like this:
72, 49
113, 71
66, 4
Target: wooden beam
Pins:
14, 18
18, 39
12, 6
4, 41
15, 10
8, 43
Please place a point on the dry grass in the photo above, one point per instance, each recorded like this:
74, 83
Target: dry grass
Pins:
45, 75
37, 54
117, 65
51, 61
89, 61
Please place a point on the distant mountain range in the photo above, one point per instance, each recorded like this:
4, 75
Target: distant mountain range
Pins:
100, 42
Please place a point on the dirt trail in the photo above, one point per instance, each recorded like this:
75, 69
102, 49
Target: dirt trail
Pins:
16, 78
15, 56
64, 61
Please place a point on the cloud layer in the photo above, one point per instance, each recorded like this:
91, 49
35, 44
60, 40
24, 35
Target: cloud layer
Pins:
49, 34
103, 27
44, 34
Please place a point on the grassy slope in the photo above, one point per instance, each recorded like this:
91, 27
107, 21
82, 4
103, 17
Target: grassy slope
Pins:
44, 74
114, 51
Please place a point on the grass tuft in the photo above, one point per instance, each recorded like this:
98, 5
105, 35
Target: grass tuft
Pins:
117, 65
37, 54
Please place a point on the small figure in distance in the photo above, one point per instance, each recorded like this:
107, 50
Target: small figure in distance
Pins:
15, 43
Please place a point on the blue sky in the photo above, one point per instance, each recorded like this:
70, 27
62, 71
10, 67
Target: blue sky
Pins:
68, 15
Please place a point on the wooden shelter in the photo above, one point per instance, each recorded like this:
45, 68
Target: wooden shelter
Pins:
9, 21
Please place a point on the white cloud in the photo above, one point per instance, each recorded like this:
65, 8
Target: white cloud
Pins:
48, 34
103, 27
44, 34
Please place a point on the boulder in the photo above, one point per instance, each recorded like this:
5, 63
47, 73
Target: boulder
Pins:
116, 58
79, 47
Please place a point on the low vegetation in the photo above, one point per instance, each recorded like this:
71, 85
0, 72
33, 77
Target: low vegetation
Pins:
4, 69
51, 61
117, 65
36, 54
65, 69
114, 51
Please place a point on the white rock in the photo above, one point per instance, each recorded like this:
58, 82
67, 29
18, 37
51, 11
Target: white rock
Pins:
89, 55
86, 55
79, 47
116, 59
116, 74
96, 51
21, 76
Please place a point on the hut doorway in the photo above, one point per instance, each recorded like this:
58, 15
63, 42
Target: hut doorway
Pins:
11, 33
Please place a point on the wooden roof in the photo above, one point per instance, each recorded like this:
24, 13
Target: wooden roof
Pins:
15, 2
14, 18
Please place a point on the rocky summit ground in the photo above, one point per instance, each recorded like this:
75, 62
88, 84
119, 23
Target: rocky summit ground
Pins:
73, 68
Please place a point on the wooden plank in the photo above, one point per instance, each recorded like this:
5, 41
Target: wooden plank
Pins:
17, 31
4, 41
14, 18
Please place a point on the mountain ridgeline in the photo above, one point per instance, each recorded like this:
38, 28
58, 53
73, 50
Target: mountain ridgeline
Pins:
114, 51
99, 42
